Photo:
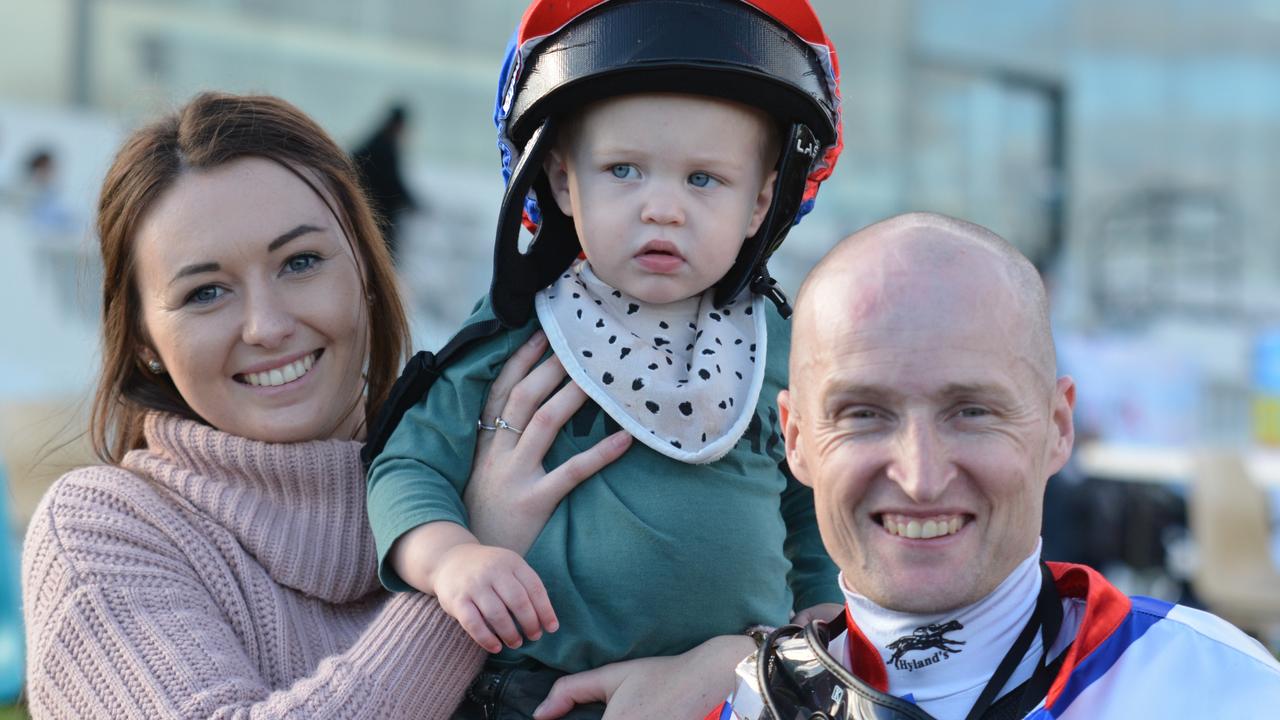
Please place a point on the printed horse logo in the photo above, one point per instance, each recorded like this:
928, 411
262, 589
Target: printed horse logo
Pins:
928, 637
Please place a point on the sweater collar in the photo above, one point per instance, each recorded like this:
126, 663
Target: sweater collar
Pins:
297, 508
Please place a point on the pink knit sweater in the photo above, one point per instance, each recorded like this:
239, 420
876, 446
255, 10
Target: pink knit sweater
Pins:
216, 577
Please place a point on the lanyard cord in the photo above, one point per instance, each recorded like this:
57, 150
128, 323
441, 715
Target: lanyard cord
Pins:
1045, 619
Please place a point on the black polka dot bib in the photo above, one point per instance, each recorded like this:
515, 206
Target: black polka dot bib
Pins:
683, 378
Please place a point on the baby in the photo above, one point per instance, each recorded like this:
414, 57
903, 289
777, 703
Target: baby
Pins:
671, 144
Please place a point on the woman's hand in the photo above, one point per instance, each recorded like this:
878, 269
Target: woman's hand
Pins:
682, 686
509, 496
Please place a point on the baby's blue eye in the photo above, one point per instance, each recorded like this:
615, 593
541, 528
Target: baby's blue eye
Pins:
623, 171
700, 179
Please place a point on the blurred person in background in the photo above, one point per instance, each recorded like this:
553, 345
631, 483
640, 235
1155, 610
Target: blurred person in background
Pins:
219, 564
40, 197
378, 160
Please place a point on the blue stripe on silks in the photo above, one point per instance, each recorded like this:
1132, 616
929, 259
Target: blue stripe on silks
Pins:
726, 712
1145, 613
1151, 606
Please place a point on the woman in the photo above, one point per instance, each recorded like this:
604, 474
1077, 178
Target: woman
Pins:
219, 564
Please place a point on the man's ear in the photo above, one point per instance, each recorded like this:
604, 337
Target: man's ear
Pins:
763, 200
558, 178
1063, 423
791, 437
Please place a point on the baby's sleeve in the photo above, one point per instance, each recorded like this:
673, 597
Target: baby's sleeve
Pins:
420, 475
813, 575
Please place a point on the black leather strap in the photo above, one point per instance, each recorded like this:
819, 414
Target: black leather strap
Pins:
419, 374
749, 270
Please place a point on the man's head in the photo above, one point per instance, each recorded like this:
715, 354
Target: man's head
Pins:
664, 188
924, 409
568, 55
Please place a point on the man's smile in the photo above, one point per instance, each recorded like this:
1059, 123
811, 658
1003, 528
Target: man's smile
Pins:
923, 528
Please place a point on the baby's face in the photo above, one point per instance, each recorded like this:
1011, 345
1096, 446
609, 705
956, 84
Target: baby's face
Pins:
663, 189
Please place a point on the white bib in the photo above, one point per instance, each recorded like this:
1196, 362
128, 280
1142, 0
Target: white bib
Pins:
682, 378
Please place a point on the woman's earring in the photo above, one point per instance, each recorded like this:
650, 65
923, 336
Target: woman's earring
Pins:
155, 366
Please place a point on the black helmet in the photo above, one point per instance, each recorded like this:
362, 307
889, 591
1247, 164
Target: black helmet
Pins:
771, 54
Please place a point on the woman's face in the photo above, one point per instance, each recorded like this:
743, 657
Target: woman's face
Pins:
251, 299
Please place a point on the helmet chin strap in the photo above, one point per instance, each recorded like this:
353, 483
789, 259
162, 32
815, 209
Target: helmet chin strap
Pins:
518, 276
765, 285
799, 152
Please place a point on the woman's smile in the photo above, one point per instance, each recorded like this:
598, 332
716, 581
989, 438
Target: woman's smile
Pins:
279, 374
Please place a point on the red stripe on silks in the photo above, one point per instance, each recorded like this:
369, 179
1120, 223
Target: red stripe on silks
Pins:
548, 16
717, 713
864, 659
1105, 609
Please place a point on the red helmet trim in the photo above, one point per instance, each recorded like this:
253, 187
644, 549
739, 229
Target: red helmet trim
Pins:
544, 17
795, 15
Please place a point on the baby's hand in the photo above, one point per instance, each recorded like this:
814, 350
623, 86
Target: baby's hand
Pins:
484, 588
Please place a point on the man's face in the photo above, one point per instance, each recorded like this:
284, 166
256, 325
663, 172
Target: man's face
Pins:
926, 432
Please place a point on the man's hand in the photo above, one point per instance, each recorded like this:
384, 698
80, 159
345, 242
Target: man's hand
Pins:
822, 611
494, 595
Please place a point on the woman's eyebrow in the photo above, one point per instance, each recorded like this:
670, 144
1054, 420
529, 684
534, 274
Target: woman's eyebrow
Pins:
276, 244
291, 235
195, 270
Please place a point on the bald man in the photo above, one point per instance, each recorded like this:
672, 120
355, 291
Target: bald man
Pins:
926, 413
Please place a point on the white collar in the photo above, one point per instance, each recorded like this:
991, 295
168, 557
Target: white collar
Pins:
946, 677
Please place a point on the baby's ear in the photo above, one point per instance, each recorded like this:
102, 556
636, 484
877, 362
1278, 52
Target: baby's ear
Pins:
763, 200
558, 177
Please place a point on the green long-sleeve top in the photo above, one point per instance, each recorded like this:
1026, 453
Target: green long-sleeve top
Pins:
651, 556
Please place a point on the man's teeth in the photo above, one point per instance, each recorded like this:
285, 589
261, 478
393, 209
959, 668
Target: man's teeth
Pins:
281, 375
923, 529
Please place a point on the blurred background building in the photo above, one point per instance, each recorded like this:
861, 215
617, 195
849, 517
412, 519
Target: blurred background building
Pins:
1128, 146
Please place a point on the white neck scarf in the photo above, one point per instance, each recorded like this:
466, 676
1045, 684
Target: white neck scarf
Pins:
683, 378
967, 644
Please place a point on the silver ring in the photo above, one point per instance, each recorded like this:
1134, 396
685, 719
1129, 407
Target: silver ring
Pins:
480, 424
504, 425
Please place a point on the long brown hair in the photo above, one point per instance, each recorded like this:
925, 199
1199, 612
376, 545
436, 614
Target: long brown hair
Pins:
212, 130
